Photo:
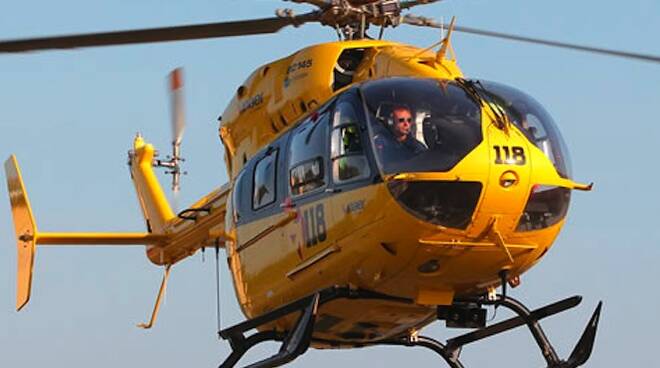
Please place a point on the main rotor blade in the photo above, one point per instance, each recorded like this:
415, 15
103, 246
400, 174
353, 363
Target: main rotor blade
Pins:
427, 22
320, 3
409, 4
178, 33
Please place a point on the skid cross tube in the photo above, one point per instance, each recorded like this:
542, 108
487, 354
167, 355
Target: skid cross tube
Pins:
240, 349
296, 341
451, 357
581, 352
511, 323
549, 353
451, 350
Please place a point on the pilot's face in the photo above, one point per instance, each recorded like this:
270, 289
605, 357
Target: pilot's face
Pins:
402, 122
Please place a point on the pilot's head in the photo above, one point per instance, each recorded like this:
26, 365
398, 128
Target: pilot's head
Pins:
401, 122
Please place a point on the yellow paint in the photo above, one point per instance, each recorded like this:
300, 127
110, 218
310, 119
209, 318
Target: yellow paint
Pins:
153, 201
434, 297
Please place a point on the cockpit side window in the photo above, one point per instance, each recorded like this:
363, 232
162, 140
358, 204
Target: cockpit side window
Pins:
240, 185
349, 162
307, 150
264, 180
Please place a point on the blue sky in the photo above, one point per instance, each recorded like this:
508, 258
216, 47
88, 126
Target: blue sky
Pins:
71, 116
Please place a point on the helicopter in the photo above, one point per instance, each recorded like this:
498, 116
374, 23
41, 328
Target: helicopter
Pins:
246, 154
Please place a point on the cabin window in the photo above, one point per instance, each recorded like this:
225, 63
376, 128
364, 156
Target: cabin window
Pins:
307, 176
307, 149
264, 180
237, 195
348, 160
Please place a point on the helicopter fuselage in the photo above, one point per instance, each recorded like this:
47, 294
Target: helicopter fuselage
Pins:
315, 203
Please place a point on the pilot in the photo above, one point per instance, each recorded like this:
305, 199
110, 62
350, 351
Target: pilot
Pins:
404, 145
402, 121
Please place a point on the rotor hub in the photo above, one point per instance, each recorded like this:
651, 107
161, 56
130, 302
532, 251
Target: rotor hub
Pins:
353, 17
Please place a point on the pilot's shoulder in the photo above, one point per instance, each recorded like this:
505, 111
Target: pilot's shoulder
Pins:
379, 141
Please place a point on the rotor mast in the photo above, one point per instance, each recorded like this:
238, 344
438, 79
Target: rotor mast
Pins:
352, 18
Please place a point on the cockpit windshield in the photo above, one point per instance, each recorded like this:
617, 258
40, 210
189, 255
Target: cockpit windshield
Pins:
532, 119
421, 125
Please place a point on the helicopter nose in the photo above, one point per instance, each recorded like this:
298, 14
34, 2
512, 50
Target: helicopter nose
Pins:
506, 186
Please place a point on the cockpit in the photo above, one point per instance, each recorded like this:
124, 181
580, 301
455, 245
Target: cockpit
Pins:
421, 125
446, 123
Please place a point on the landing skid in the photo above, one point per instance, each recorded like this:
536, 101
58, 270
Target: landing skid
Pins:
451, 350
297, 341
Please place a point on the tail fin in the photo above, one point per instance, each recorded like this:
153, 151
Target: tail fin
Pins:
28, 238
155, 207
26, 231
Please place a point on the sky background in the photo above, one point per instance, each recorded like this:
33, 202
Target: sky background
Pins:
70, 117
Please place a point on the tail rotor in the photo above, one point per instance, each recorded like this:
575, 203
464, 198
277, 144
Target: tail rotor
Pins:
178, 124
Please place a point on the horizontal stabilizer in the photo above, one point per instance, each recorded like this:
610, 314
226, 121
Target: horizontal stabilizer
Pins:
101, 239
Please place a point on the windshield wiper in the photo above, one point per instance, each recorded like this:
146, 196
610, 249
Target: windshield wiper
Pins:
478, 92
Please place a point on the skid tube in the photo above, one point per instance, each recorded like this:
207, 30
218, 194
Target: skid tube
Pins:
297, 341
451, 350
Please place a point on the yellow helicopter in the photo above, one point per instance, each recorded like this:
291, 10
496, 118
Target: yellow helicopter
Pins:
338, 232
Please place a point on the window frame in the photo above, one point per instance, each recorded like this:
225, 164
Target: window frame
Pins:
238, 194
324, 154
363, 136
322, 170
274, 153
